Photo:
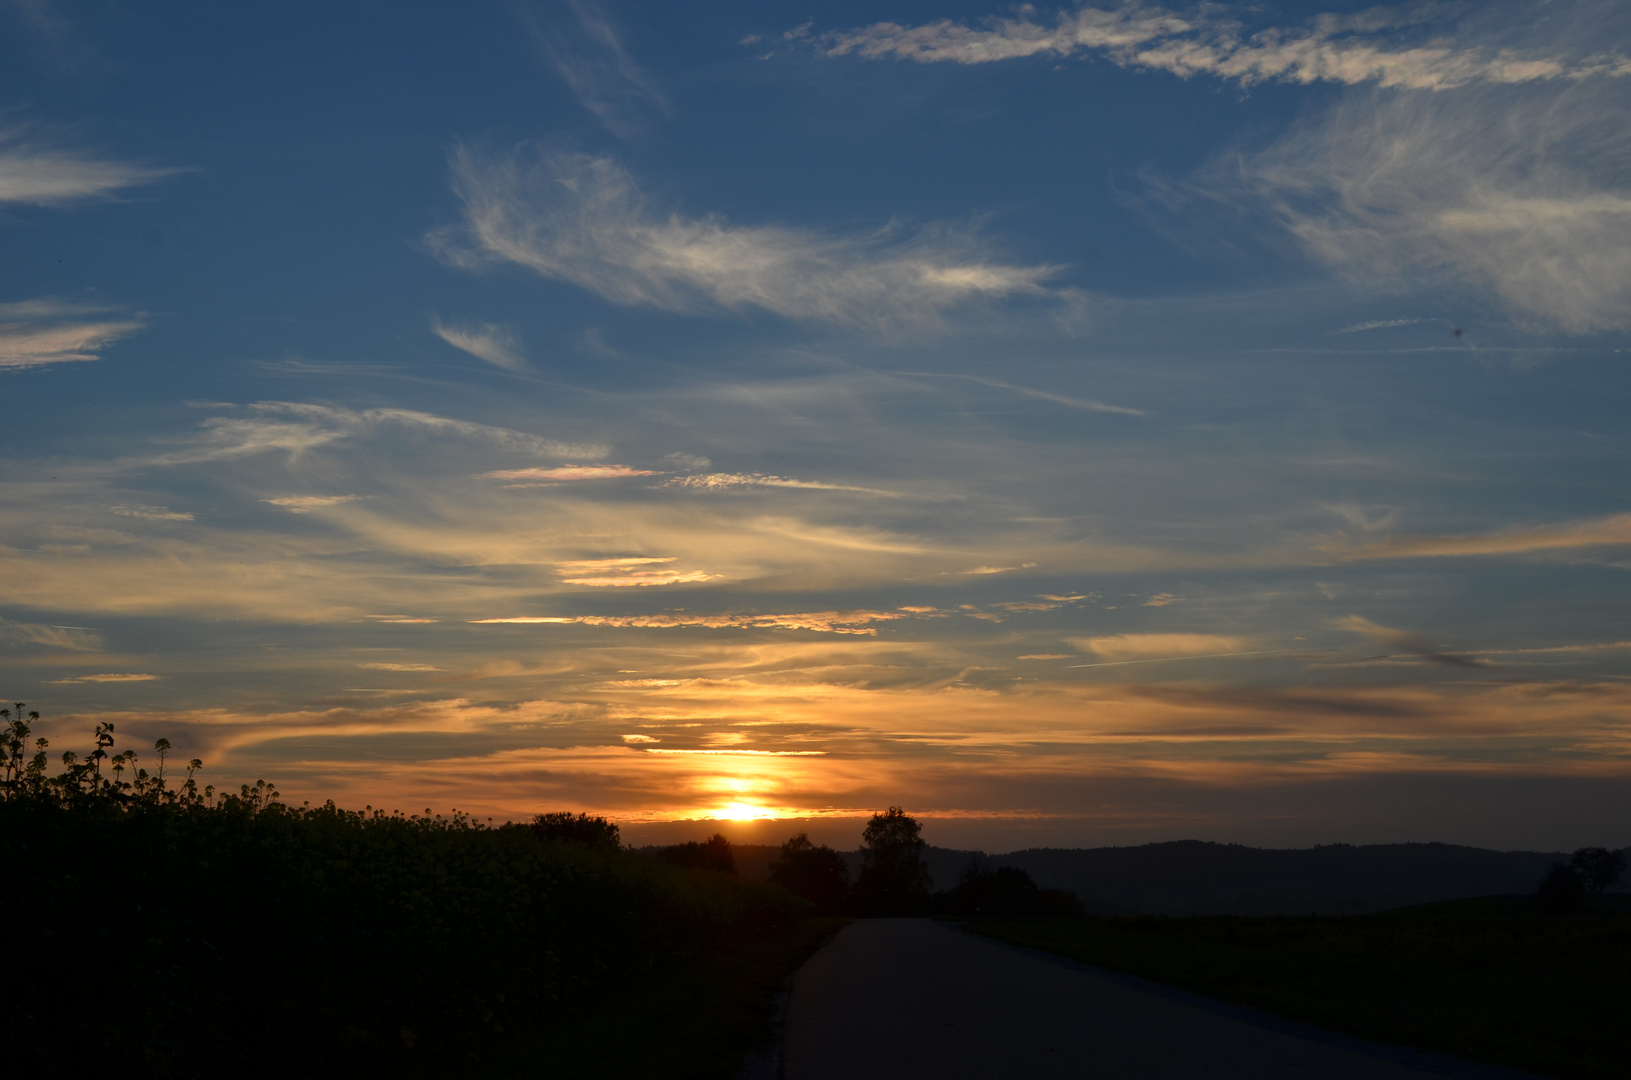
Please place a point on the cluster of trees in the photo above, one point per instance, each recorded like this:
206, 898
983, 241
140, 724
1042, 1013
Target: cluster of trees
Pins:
1590, 871
893, 879
1004, 892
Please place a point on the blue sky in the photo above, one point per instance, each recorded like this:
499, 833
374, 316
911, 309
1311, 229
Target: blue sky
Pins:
1080, 425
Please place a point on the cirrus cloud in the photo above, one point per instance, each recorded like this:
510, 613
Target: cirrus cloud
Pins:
1367, 48
41, 175
582, 220
485, 341
34, 333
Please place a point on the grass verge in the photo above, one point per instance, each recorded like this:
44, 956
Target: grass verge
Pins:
1485, 980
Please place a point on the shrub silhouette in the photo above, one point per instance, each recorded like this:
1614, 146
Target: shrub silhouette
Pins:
815, 872
594, 832
894, 876
1598, 868
713, 853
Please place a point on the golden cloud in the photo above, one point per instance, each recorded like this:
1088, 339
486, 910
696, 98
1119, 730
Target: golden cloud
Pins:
1127, 647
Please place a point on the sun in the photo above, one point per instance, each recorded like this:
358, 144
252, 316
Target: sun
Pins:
741, 811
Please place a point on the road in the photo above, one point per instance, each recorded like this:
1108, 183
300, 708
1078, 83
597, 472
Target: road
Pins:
906, 998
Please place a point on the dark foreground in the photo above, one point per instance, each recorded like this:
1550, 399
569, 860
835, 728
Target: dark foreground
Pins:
905, 998
242, 938
1489, 981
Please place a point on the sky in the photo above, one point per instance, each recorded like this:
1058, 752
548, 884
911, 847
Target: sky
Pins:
1077, 425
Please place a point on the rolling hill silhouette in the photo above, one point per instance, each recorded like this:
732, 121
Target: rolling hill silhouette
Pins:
1196, 877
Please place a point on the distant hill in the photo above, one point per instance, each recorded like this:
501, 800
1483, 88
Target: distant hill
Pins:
1195, 877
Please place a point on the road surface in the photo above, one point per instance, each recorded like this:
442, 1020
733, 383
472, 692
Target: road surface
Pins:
906, 998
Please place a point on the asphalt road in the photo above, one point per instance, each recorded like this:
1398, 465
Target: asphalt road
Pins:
905, 998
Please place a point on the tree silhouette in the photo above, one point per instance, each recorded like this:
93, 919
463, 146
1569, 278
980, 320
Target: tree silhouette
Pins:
1598, 867
894, 876
815, 872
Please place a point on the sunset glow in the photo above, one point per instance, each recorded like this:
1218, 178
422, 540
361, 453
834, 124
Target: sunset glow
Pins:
1073, 425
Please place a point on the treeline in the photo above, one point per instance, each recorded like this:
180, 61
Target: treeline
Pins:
893, 879
157, 928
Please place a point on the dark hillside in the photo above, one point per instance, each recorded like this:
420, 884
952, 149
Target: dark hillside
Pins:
1187, 877
1196, 877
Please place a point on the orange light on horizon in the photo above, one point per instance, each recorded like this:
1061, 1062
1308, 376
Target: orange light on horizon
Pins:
741, 811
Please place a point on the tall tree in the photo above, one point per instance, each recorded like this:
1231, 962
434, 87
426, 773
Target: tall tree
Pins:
894, 876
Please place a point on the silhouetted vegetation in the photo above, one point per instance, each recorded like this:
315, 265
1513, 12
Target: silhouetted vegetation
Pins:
594, 832
163, 930
713, 854
1485, 979
1591, 870
1599, 868
813, 871
1006, 892
894, 878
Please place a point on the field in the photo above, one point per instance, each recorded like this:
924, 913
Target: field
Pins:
1483, 979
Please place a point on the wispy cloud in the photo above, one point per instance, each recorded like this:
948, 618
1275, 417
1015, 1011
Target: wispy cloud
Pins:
109, 677
1525, 194
582, 220
1405, 641
1378, 324
151, 513
34, 173
584, 48
1385, 48
619, 563
623, 572
297, 427
34, 333
484, 341
1086, 404
569, 472
638, 578
305, 504
1596, 532
828, 622
1135, 647
76, 638
728, 481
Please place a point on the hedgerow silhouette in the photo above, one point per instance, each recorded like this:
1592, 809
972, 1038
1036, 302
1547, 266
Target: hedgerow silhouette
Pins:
162, 928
